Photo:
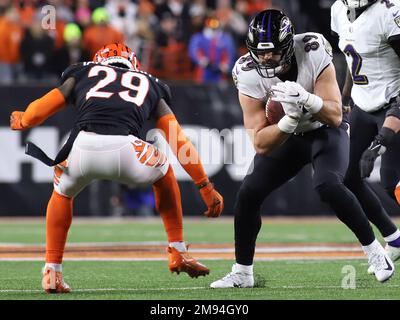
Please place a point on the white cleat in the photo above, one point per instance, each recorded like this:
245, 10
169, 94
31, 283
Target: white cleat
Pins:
392, 252
382, 266
234, 279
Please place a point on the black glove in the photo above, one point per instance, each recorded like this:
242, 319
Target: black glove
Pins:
369, 156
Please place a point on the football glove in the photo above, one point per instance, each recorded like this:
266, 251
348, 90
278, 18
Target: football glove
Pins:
292, 110
16, 120
213, 200
369, 156
292, 92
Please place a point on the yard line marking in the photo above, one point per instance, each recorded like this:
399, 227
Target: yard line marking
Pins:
288, 249
104, 289
192, 288
198, 244
297, 259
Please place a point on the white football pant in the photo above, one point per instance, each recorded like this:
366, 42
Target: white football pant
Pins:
124, 159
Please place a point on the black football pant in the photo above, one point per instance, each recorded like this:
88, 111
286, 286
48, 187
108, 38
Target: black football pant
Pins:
327, 149
363, 128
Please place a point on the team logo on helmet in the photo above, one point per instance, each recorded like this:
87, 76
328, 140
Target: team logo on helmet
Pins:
250, 35
285, 29
117, 54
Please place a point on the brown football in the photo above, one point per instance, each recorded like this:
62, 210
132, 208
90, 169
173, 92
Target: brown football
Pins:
274, 111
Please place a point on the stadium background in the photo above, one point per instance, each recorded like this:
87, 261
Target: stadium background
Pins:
168, 37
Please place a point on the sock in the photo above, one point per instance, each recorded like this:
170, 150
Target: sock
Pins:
55, 266
180, 246
168, 204
372, 248
244, 269
58, 221
394, 239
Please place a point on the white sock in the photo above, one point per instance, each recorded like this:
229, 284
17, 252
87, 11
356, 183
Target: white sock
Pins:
55, 266
374, 247
243, 268
393, 236
180, 246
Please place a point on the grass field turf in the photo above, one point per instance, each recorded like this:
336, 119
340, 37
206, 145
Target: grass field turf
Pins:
151, 280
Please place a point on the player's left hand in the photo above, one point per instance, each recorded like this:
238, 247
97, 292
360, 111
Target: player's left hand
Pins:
290, 92
213, 200
369, 156
15, 120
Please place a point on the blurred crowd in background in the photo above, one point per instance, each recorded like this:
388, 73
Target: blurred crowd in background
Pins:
196, 40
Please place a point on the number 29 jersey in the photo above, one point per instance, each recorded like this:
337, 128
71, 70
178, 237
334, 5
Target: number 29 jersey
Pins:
374, 65
113, 100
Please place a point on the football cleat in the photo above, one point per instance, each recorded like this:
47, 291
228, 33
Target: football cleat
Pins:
53, 282
234, 279
382, 266
392, 252
183, 262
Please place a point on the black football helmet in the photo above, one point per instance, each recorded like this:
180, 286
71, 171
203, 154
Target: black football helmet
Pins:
271, 31
355, 4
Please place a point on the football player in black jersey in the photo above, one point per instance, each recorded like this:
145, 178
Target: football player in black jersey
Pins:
113, 98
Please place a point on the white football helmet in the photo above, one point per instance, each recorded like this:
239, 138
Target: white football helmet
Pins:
355, 4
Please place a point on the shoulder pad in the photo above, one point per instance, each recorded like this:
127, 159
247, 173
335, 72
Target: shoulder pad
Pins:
73, 70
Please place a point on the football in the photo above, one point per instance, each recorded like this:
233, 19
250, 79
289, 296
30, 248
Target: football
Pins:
274, 111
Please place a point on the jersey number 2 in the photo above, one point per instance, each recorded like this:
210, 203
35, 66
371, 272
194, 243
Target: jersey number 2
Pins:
140, 89
356, 66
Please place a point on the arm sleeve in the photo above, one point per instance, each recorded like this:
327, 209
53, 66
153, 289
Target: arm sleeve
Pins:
322, 56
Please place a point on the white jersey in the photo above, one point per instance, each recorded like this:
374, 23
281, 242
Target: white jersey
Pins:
374, 65
313, 54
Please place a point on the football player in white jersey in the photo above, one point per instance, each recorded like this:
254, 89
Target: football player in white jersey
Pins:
297, 71
369, 36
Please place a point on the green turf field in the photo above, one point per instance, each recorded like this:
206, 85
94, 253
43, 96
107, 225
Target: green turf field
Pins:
151, 280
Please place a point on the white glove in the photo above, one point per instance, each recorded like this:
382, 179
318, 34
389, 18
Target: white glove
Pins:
292, 110
292, 92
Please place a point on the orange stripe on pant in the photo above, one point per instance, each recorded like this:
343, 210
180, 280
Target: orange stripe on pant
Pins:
148, 154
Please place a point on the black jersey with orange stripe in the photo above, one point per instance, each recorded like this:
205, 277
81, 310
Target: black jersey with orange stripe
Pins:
113, 100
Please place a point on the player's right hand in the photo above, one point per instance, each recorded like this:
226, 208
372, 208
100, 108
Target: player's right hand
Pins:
213, 200
15, 120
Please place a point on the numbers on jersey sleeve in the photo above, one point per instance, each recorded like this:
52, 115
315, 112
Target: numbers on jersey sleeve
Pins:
356, 66
136, 83
247, 63
310, 45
